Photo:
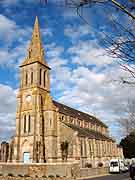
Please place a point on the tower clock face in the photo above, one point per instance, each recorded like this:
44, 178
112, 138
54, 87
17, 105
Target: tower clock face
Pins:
28, 98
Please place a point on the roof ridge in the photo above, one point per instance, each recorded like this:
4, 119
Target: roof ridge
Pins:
88, 115
89, 132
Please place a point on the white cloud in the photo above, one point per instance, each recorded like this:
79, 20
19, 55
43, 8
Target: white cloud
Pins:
13, 58
76, 32
60, 73
13, 35
7, 97
53, 51
46, 32
10, 32
7, 111
8, 28
89, 53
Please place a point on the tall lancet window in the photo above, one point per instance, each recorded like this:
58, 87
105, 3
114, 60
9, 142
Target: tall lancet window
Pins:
26, 79
81, 143
31, 77
41, 98
29, 123
24, 123
44, 78
40, 77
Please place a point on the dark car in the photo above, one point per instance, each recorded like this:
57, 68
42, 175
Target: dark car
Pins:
132, 171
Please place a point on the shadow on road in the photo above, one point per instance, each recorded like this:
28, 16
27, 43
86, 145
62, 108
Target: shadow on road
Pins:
124, 176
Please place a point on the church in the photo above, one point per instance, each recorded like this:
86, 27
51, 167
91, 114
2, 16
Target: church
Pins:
48, 131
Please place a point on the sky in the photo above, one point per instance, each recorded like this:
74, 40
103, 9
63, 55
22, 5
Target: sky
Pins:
83, 75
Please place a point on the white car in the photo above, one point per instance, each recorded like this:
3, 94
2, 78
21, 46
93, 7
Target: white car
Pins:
117, 166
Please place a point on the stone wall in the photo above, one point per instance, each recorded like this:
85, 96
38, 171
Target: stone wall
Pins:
40, 169
31, 178
48, 171
87, 172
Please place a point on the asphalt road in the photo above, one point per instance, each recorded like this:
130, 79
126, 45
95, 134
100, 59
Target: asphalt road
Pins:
124, 176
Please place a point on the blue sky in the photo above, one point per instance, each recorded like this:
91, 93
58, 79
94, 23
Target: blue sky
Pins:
82, 74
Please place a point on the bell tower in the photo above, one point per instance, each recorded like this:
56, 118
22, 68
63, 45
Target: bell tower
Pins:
34, 69
34, 105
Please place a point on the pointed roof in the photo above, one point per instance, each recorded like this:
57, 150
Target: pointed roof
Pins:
35, 50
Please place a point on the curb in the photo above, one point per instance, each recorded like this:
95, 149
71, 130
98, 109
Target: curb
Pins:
90, 177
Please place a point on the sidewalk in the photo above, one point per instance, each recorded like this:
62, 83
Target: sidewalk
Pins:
90, 177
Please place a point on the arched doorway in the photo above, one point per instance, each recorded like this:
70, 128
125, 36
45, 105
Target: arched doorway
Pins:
26, 151
26, 157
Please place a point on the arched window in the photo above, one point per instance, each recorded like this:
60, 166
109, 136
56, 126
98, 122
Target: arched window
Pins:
24, 123
85, 149
50, 122
26, 78
44, 78
62, 118
31, 77
41, 98
40, 77
81, 143
90, 148
29, 124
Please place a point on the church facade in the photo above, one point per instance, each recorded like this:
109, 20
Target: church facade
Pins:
48, 131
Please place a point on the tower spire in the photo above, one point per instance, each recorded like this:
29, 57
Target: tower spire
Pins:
35, 50
36, 37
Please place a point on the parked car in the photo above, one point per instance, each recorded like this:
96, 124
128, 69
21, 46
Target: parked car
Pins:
117, 166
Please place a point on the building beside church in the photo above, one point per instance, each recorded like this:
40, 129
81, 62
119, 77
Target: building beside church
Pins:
48, 131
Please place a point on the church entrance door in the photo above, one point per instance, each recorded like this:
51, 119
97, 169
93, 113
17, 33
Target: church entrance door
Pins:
26, 157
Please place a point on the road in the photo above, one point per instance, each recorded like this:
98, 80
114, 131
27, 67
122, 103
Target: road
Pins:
124, 176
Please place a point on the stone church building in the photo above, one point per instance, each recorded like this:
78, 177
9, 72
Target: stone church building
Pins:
48, 131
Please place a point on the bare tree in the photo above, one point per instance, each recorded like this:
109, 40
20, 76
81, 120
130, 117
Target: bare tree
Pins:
120, 44
128, 123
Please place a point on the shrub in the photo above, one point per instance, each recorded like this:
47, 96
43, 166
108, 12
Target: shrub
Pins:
26, 175
10, 174
20, 175
1, 174
44, 176
51, 176
57, 175
88, 165
100, 164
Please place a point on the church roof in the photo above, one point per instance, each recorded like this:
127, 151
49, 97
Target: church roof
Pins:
84, 132
78, 114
